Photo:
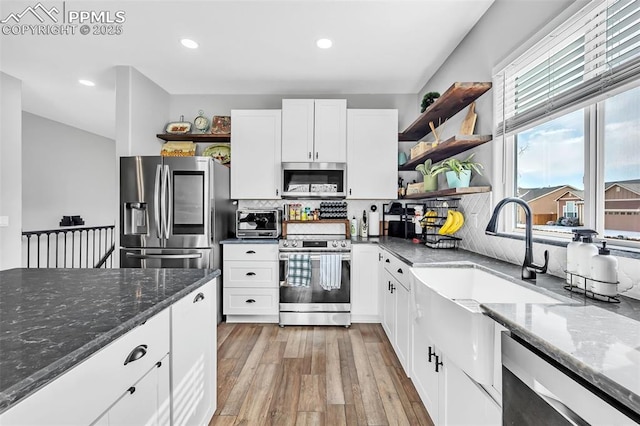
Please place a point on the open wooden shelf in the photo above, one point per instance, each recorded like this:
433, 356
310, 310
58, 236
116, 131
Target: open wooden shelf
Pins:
452, 146
194, 137
451, 102
448, 192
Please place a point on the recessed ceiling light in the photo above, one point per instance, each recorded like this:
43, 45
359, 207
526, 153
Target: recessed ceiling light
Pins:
324, 43
189, 43
86, 82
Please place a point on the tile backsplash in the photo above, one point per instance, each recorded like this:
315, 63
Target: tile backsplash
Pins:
477, 209
512, 251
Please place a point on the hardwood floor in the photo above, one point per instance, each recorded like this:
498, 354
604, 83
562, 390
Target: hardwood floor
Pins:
269, 375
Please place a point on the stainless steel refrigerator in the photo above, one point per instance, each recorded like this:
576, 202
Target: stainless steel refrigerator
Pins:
173, 212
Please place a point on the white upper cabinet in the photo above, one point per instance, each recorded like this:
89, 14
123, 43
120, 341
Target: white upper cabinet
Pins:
255, 146
372, 150
314, 130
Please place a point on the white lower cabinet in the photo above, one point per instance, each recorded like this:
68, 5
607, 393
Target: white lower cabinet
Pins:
395, 288
449, 395
364, 283
193, 357
146, 402
251, 282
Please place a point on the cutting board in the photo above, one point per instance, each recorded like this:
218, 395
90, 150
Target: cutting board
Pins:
469, 123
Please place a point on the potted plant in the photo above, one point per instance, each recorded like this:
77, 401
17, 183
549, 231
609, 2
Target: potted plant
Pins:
430, 174
459, 171
428, 99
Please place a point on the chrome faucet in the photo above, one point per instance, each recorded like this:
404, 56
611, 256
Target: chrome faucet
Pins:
529, 269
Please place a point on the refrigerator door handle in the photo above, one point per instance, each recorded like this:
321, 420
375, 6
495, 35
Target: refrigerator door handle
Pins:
156, 201
165, 256
163, 204
169, 205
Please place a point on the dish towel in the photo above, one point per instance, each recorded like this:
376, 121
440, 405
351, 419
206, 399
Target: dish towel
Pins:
330, 271
299, 270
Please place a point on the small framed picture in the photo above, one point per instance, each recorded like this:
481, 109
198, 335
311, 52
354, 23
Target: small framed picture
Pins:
221, 125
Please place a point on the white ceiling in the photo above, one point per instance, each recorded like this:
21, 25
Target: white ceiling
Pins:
246, 47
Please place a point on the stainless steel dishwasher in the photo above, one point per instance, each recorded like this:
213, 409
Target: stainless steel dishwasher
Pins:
536, 392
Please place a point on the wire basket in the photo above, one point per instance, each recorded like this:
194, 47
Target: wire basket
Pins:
430, 235
441, 241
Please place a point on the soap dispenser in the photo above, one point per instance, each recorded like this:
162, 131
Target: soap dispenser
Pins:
572, 256
584, 253
604, 272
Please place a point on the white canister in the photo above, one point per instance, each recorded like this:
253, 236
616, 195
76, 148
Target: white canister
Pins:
354, 227
604, 272
374, 224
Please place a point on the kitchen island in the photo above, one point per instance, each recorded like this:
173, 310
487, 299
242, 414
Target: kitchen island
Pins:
53, 320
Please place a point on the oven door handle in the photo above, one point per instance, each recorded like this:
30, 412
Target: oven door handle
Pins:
285, 256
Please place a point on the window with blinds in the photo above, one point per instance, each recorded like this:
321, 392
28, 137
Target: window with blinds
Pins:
595, 52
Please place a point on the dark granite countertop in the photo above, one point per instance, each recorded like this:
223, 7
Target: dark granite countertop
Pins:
250, 241
52, 319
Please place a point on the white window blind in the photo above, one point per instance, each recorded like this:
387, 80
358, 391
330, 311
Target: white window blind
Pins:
590, 55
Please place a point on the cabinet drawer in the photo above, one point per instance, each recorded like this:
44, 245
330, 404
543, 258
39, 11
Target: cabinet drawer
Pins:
250, 301
83, 393
250, 252
250, 274
398, 269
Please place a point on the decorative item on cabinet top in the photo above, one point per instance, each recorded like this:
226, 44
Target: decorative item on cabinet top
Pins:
221, 125
178, 127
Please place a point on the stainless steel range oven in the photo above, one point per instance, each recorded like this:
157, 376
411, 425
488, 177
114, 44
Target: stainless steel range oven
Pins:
315, 274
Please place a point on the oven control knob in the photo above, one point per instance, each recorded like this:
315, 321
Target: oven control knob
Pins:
294, 244
335, 244
285, 244
343, 244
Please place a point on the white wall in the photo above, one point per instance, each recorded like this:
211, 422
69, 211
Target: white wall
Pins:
142, 111
66, 171
497, 35
505, 26
189, 105
10, 170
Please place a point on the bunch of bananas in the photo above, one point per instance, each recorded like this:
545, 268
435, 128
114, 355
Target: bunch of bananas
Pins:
454, 222
429, 219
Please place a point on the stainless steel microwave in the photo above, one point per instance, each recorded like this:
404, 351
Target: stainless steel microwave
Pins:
314, 180
258, 223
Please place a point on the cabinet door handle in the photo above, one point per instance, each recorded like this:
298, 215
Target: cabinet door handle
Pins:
379, 256
316, 155
251, 252
277, 192
393, 287
309, 155
438, 363
389, 285
250, 274
349, 191
137, 353
387, 261
399, 270
251, 301
159, 364
198, 298
431, 353
131, 390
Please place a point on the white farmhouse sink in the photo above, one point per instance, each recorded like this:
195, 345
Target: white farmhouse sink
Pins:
455, 322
